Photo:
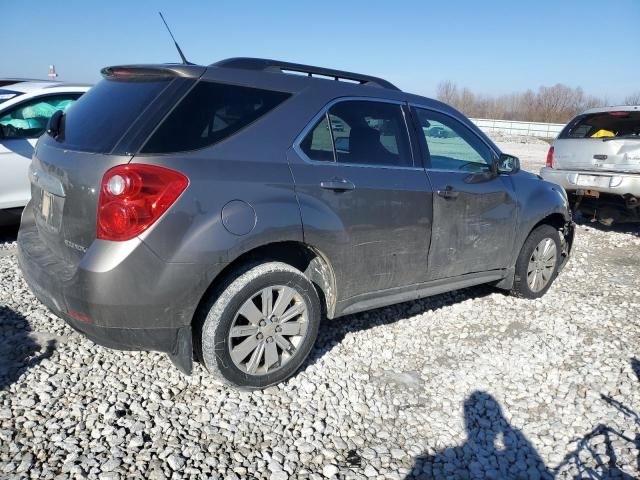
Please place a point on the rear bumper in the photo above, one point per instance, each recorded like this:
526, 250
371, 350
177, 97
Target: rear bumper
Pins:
607, 182
120, 296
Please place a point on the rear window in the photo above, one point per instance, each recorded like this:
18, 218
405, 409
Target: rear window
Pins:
210, 113
97, 121
603, 125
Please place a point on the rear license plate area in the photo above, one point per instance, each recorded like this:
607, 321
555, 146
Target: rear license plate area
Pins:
593, 181
49, 210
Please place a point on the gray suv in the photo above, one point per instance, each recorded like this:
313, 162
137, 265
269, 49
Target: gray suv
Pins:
223, 210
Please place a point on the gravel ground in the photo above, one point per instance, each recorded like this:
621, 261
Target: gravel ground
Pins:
471, 384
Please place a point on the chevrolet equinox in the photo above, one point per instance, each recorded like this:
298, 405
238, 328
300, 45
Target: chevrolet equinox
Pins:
219, 212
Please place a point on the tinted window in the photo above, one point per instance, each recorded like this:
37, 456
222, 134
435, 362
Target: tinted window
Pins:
317, 144
210, 113
603, 125
451, 145
101, 117
372, 133
29, 119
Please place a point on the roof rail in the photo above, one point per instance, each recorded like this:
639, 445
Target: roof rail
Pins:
246, 63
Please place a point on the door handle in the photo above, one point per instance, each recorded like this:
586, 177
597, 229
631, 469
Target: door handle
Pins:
448, 192
337, 185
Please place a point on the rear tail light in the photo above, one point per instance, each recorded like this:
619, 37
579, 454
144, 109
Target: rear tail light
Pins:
133, 197
550, 158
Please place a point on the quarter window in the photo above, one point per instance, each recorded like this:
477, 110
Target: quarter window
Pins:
210, 113
29, 119
363, 133
451, 145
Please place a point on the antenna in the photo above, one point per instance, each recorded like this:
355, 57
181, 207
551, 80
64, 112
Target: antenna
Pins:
184, 59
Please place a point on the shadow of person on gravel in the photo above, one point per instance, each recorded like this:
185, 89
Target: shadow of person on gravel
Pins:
600, 453
493, 449
18, 349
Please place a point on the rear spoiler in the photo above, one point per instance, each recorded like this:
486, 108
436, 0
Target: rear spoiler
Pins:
150, 72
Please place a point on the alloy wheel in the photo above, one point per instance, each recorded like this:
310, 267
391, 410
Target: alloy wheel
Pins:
542, 265
267, 330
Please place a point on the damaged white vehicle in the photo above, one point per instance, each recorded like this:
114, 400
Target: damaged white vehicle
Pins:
596, 158
25, 109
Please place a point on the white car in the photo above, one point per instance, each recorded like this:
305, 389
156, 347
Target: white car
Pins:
25, 108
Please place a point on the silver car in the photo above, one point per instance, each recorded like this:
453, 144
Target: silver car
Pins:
596, 158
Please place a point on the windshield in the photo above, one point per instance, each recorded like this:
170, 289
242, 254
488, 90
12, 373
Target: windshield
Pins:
604, 125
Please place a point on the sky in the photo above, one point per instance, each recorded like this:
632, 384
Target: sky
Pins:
492, 46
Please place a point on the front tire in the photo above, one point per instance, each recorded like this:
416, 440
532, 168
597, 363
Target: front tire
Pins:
538, 263
261, 328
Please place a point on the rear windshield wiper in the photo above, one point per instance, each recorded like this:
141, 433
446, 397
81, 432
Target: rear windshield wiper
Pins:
629, 136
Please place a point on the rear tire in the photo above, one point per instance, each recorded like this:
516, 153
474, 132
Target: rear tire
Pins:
261, 328
538, 263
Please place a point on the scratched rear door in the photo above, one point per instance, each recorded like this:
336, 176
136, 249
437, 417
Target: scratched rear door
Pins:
365, 204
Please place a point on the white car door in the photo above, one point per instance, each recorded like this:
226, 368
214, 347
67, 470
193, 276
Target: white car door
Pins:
20, 127
15, 157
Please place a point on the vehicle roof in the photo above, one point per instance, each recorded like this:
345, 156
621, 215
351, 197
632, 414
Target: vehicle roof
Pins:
233, 71
30, 85
284, 76
309, 71
613, 108
315, 86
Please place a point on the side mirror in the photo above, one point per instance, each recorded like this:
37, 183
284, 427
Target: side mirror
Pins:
508, 164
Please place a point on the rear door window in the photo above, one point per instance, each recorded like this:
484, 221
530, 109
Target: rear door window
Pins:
210, 113
360, 132
370, 133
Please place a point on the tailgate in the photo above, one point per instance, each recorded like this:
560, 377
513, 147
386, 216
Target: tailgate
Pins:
65, 186
104, 128
597, 155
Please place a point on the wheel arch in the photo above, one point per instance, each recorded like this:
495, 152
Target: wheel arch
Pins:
555, 219
306, 258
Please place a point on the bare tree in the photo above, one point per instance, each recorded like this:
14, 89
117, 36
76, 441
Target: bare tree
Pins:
467, 102
633, 99
558, 103
447, 92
